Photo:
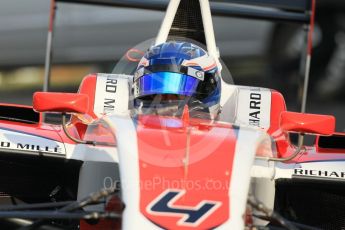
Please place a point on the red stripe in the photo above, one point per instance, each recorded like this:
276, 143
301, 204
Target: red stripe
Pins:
210, 67
130, 52
311, 31
52, 15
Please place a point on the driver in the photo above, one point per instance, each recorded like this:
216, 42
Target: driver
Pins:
174, 74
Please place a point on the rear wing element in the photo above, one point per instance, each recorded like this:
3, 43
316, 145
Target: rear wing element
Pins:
277, 10
192, 18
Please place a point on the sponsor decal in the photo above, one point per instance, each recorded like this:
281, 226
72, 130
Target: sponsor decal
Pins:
112, 95
164, 205
254, 107
30, 147
110, 88
18, 141
319, 173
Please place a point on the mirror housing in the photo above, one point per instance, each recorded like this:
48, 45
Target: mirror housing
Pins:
60, 102
307, 123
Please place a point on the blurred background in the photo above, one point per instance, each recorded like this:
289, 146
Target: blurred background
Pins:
90, 39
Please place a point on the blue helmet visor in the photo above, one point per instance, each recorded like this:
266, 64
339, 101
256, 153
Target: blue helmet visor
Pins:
166, 83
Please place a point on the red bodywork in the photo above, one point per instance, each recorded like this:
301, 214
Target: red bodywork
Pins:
207, 173
307, 123
61, 102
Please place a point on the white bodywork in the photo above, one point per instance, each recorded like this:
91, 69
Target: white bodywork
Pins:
248, 140
31, 144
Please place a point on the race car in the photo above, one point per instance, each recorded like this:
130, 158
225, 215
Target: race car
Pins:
167, 141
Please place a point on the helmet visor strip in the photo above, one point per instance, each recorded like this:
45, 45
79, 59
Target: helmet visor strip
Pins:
165, 83
185, 70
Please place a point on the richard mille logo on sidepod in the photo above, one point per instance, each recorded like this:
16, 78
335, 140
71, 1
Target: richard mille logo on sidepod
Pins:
254, 109
110, 88
319, 173
29, 147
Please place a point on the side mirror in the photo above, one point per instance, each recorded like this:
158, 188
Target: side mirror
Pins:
60, 102
307, 123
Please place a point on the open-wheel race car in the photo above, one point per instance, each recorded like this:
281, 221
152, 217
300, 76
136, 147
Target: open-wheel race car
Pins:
168, 141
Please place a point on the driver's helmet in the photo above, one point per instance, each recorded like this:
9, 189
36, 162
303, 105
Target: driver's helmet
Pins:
174, 74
